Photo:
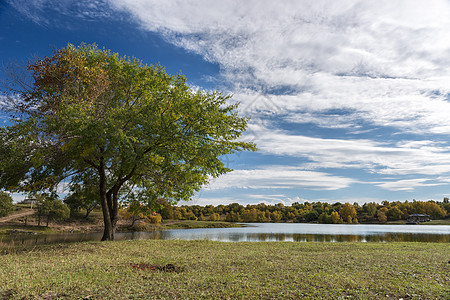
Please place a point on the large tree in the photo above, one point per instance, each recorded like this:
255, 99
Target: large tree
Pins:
134, 126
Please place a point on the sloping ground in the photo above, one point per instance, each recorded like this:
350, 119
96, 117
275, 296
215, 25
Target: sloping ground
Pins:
22, 213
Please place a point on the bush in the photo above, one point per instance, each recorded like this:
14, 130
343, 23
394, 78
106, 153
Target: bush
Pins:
6, 206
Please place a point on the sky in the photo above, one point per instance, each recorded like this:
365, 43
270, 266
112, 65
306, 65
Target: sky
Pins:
349, 100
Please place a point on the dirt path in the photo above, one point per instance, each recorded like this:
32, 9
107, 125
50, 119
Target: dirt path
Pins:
22, 213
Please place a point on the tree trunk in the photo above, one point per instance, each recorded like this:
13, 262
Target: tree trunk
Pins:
115, 208
111, 224
110, 202
108, 233
89, 210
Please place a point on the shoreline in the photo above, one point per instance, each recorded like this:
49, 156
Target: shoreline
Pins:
64, 228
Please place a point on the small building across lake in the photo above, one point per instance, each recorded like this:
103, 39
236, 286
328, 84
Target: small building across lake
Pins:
417, 218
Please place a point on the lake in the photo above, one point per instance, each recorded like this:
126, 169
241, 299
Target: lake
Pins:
262, 232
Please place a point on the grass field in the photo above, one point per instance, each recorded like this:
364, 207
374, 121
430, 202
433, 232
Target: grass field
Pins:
152, 269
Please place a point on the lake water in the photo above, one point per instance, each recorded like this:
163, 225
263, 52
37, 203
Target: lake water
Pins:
263, 232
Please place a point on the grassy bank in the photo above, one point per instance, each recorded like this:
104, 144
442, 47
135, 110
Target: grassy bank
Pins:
432, 222
95, 224
204, 269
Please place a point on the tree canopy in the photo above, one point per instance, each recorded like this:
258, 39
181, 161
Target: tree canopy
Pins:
139, 131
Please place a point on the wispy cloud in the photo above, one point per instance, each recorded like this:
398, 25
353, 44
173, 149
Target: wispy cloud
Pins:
44, 12
408, 184
280, 177
400, 158
267, 199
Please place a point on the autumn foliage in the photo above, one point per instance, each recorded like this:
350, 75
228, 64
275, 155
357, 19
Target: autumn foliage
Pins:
319, 212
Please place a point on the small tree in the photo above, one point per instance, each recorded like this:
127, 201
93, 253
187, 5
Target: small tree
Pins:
54, 209
6, 205
135, 212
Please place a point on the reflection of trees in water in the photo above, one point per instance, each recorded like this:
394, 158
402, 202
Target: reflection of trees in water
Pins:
327, 238
26, 241
387, 237
264, 237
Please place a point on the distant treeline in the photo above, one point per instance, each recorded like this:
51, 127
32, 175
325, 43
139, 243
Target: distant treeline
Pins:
321, 212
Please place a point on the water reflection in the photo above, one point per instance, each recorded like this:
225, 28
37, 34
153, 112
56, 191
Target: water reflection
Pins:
261, 233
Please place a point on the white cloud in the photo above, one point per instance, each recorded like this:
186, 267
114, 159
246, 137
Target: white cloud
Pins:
280, 177
408, 184
244, 200
403, 157
383, 60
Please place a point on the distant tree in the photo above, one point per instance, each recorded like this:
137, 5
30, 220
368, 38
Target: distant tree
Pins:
233, 217
381, 215
276, 217
166, 209
214, 217
347, 212
325, 218
83, 196
6, 204
370, 209
261, 217
201, 217
311, 216
177, 214
190, 216
335, 217
394, 213
134, 212
154, 218
51, 207
434, 210
250, 215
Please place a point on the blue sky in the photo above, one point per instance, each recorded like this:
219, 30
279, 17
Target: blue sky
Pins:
349, 100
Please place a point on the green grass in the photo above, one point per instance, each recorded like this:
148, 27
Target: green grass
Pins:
6, 229
19, 206
438, 222
215, 270
432, 222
